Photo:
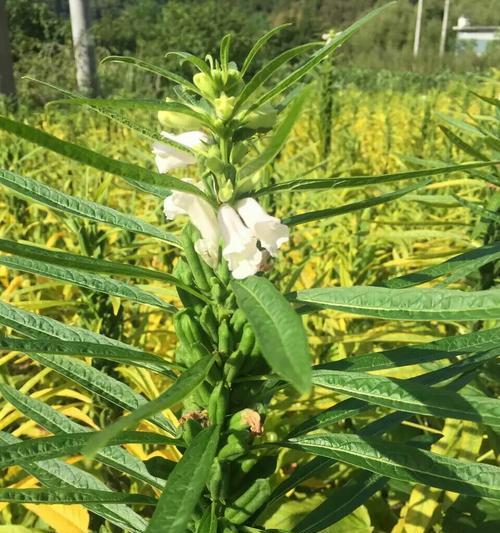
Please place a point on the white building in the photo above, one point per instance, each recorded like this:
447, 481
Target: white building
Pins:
477, 38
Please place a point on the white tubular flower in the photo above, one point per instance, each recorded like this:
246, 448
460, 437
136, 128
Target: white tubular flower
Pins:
168, 157
267, 229
240, 245
203, 217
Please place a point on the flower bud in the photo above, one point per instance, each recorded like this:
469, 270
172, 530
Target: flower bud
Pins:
262, 118
238, 152
205, 84
226, 192
224, 106
176, 120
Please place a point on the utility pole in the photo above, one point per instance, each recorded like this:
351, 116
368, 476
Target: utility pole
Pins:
7, 85
444, 28
83, 46
418, 27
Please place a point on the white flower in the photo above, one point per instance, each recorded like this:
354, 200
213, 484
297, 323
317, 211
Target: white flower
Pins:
267, 229
240, 245
168, 157
203, 217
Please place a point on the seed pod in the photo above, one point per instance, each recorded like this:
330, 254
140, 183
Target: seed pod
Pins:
233, 365
193, 259
183, 272
223, 272
238, 320
224, 336
215, 480
247, 341
236, 446
249, 502
209, 323
217, 404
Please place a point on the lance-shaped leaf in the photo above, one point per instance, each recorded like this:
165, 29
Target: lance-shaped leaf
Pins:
185, 384
86, 280
56, 474
67, 496
278, 330
261, 41
322, 184
45, 195
455, 268
279, 138
406, 463
55, 422
50, 447
93, 264
96, 160
447, 347
149, 67
405, 304
411, 397
357, 404
87, 349
107, 387
303, 218
185, 484
337, 41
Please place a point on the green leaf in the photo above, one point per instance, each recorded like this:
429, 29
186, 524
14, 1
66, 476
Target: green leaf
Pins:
129, 356
69, 496
86, 280
278, 140
363, 181
341, 502
112, 390
101, 162
50, 447
457, 267
321, 54
153, 105
462, 145
45, 195
92, 264
57, 474
191, 58
278, 330
186, 383
447, 347
144, 65
55, 422
185, 484
268, 70
403, 462
410, 396
353, 406
303, 218
405, 304
259, 44
377, 427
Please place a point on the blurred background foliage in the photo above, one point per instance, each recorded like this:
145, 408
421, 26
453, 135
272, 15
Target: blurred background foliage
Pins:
40, 29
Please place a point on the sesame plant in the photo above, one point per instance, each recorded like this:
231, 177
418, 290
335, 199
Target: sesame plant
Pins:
242, 348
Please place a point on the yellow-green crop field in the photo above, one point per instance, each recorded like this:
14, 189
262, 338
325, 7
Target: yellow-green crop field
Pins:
372, 133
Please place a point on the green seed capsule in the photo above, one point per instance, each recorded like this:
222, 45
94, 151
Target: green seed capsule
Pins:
193, 259
249, 502
218, 403
224, 337
233, 365
238, 320
247, 341
236, 446
215, 480
209, 323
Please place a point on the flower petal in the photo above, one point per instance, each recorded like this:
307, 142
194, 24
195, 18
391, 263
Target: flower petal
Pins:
267, 229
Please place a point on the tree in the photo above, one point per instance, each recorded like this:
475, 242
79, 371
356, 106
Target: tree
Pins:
7, 85
84, 49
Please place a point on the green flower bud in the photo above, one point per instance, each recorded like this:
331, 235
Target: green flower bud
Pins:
238, 152
206, 85
233, 82
262, 118
175, 120
235, 447
226, 192
246, 419
224, 106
